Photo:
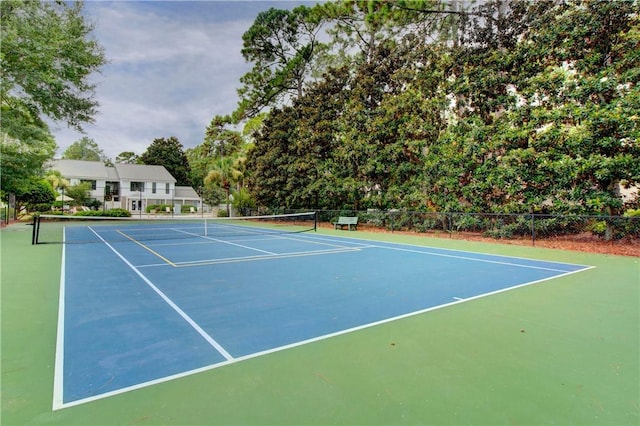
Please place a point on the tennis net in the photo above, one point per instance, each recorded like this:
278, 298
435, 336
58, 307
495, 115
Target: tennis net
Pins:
94, 229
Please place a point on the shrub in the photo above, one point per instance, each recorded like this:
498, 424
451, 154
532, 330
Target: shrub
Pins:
108, 213
598, 228
373, 217
632, 224
93, 204
89, 213
468, 223
242, 200
118, 213
41, 207
632, 213
159, 208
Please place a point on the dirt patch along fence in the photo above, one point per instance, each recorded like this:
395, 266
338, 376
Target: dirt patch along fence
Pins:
600, 234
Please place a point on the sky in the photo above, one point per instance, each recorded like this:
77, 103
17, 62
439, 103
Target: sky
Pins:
172, 66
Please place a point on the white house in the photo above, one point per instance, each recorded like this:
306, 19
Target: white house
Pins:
129, 186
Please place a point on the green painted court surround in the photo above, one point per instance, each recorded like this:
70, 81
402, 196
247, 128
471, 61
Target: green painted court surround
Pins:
562, 352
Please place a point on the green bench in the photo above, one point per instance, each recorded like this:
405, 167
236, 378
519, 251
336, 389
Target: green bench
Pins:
348, 221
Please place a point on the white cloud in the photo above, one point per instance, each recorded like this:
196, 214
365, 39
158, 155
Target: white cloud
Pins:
172, 67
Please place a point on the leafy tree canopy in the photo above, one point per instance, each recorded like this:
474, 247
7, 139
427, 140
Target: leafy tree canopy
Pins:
84, 149
168, 152
35, 191
128, 157
47, 57
26, 144
281, 45
502, 106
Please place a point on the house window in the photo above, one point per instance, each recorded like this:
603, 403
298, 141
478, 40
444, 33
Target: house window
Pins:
166, 188
153, 188
92, 183
137, 187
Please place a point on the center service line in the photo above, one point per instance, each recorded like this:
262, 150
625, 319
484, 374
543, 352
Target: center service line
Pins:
227, 242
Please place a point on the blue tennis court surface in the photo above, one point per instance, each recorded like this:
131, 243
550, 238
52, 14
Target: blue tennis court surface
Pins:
134, 313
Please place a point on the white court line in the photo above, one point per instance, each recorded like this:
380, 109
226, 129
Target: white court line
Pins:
58, 374
308, 240
175, 307
170, 302
251, 258
366, 244
352, 240
178, 242
307, 341
226, 242
267, 254
474, 259
425, 250
257, 237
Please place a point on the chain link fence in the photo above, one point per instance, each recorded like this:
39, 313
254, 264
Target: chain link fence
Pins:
498, 226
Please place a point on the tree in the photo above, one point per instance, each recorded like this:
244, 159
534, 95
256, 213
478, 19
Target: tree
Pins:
281, 44
168, 153
36, 194
224, 173
577, 78
47, 57
79, 193
84, 149
504, 106
219, 142
359, 27
271, 159
314, 175
462, 165
243, 201
55, 179
25, 145
128, 157
252, 126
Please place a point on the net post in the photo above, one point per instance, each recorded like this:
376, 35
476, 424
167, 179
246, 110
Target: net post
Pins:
34, 231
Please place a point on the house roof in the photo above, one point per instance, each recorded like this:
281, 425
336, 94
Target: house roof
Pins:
186, 193
80, 169
112, 174
97, 170
143, 172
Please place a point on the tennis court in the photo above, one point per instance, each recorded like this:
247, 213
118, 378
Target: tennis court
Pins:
150, 302
322, 327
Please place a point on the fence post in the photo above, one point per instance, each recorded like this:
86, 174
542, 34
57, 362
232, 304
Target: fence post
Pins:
533, 229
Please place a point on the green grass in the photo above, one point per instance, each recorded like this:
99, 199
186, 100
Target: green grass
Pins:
563, 352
